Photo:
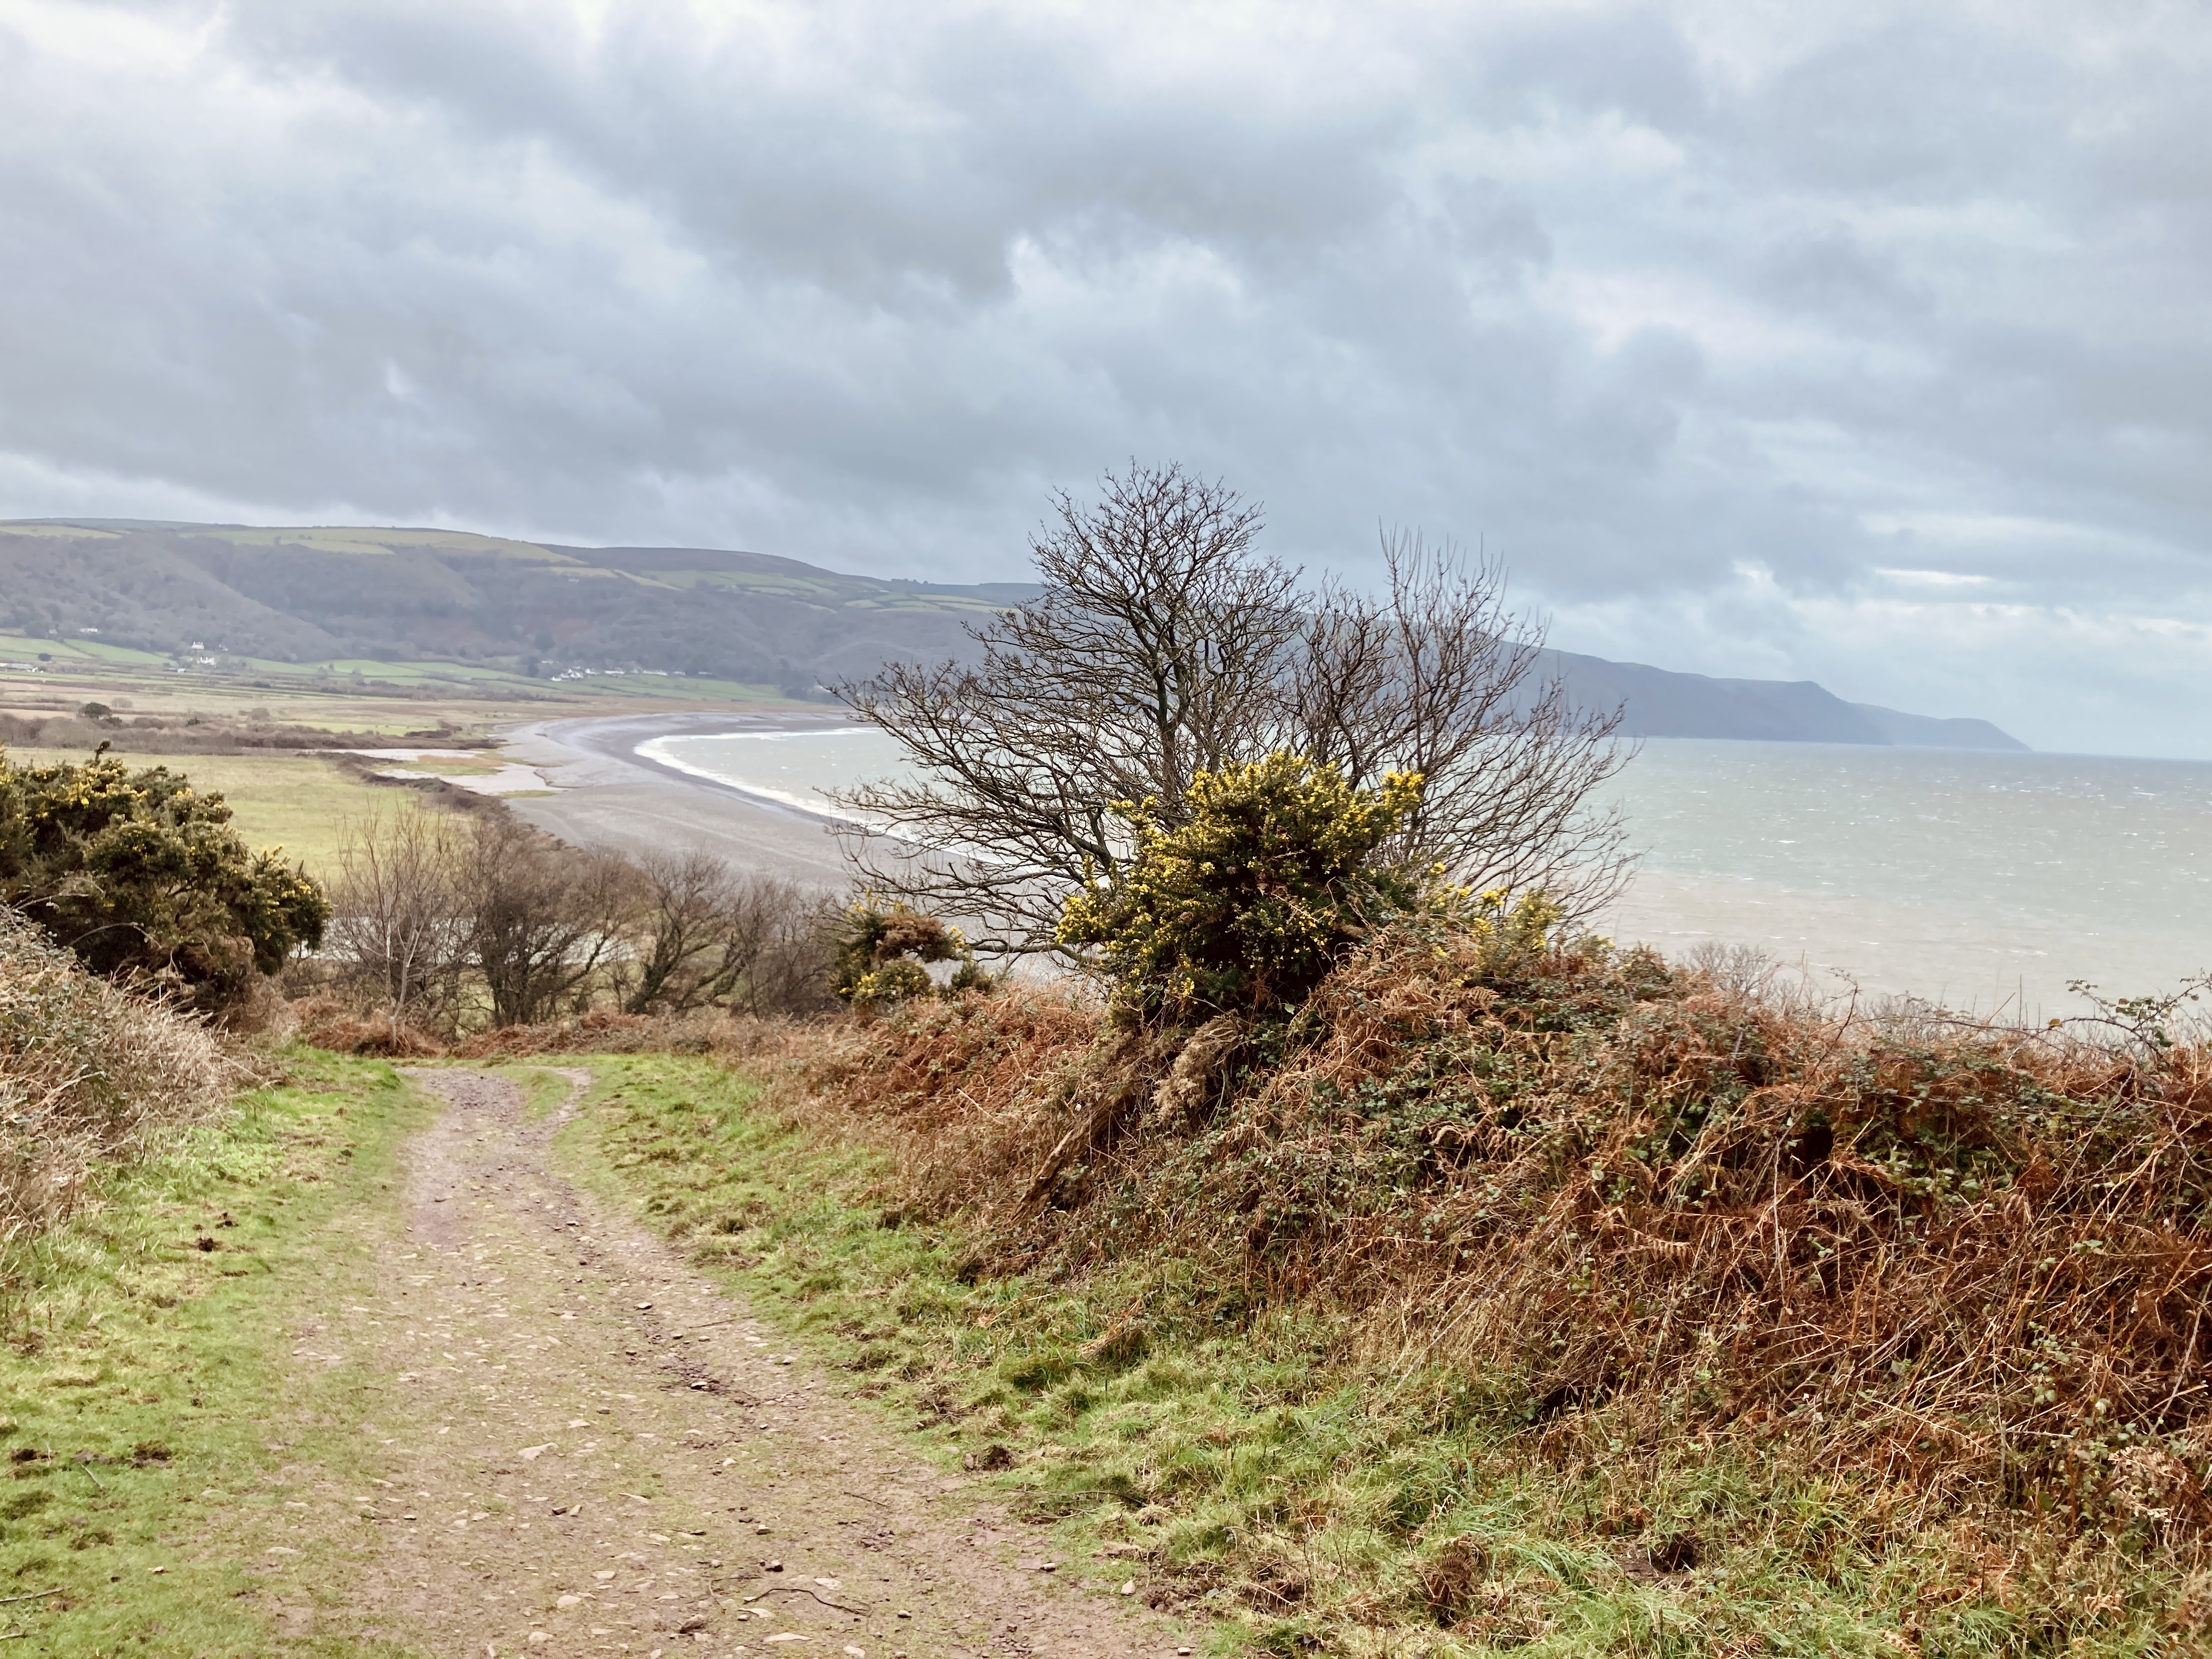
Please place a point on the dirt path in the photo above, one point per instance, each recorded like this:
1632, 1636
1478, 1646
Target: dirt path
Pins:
604, 1453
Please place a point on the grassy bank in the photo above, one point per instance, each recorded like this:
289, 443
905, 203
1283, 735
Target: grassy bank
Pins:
1238, 1464
153, 1430
1609, 1310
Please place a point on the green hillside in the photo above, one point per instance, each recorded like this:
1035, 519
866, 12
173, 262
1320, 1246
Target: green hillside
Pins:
148, 593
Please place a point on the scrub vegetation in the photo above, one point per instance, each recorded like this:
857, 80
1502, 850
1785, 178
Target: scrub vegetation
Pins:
1558, 1299
1390, 1264
142, 876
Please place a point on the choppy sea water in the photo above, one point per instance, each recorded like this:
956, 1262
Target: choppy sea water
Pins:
1986, 881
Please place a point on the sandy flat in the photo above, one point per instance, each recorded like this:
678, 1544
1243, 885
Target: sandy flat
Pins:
608, 795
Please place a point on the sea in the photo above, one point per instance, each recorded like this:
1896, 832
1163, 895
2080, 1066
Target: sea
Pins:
1988, 883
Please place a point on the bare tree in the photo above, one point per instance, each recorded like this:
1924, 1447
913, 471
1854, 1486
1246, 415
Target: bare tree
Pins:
705, 935
1436, 675
395, 927
777, 948
1154, 652
1165, 643
542, 919
684, 932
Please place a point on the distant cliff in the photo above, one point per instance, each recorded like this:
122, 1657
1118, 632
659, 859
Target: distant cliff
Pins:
1659, 703
331, 593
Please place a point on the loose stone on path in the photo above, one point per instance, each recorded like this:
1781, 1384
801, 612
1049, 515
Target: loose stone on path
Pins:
571, 1457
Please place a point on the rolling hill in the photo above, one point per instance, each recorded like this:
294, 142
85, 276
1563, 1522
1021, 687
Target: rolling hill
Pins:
197, 593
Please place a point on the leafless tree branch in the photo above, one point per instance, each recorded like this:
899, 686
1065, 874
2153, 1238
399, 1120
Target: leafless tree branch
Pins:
1165, 643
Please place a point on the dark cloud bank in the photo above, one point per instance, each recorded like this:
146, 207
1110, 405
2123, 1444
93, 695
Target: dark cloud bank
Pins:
1838, 342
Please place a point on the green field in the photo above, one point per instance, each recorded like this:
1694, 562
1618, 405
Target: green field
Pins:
300, 802
29, 665
374, 698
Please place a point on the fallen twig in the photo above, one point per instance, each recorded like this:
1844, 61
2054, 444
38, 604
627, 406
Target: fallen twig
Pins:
801, 1589
32, 1596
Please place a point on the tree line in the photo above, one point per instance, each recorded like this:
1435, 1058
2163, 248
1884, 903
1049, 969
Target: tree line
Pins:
448, 922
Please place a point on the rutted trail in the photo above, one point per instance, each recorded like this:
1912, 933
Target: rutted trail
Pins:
602, 1452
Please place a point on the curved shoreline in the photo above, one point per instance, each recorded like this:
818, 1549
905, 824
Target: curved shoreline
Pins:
604, 793
620, 739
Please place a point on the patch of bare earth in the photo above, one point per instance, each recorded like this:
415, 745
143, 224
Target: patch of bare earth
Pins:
602, 1452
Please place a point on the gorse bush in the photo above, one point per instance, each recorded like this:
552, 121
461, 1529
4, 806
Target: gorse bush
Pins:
882, 956
142, 876
1245, 903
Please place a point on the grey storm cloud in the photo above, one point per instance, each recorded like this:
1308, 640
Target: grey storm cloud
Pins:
1859, 344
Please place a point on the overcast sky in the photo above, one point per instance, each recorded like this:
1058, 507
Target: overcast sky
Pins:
1858, 343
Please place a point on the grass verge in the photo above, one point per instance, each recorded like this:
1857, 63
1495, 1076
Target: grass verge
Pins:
1246, 1462
157, 1423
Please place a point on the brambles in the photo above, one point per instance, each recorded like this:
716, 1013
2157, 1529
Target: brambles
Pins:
142, 876
1617, 1203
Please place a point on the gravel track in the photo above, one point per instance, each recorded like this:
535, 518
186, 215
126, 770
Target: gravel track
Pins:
602, 1452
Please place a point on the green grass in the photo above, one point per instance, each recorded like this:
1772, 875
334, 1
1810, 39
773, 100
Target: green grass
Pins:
1305, 1498
78, 653
154, 1432
391, 697
542, 1089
